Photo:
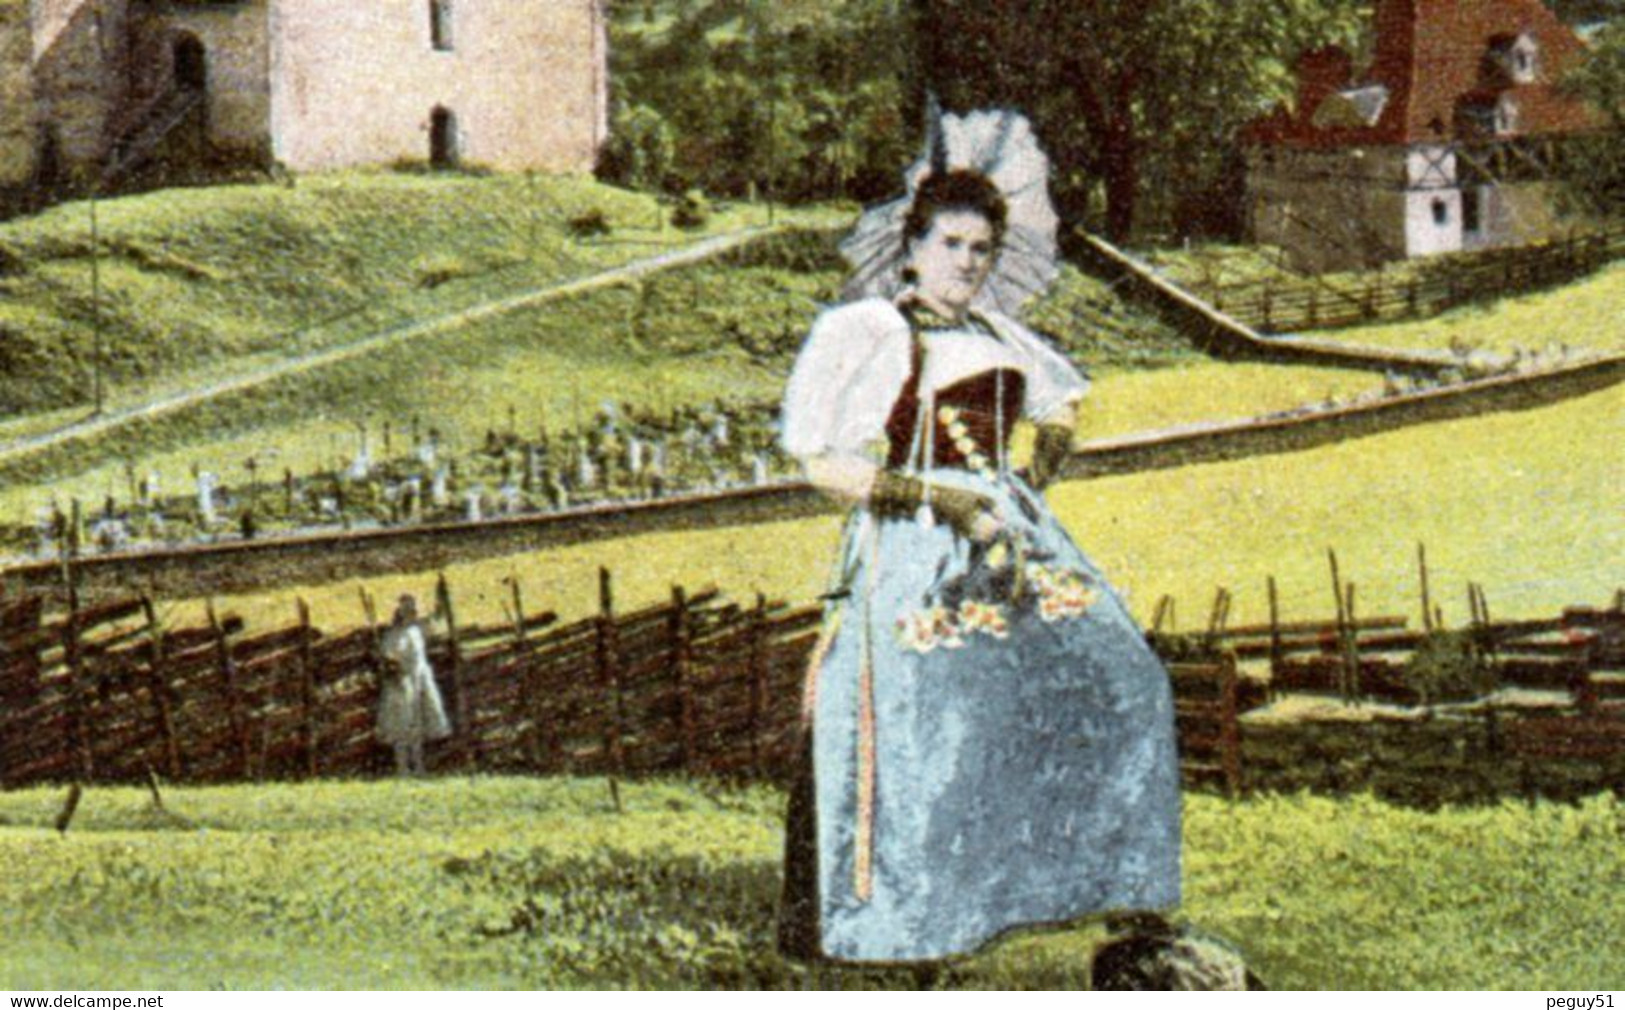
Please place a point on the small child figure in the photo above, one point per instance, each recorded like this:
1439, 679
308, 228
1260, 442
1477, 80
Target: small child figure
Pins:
410, 712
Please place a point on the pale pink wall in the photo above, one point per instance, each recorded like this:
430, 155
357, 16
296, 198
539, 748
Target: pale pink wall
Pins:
355, 82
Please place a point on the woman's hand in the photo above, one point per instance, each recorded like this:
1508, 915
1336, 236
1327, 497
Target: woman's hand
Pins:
899, 496
843, 478
986, 528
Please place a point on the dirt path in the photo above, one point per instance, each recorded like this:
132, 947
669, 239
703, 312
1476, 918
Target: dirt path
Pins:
113, 420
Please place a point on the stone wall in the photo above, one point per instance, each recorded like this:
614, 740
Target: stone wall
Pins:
1243, 439
236, 44
1331, 210
358, 82
1517, 213
81, 72
18, 130
238, 566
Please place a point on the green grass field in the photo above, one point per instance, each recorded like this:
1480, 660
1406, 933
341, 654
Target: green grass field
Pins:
193, 279
489, 883
1586, 315
532, 883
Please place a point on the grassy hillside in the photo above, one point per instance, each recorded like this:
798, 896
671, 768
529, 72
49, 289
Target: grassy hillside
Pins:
725, 329
192, 279
1588, 314
498, 883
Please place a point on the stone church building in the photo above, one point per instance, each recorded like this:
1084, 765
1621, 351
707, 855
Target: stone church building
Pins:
1449, 141
94, 90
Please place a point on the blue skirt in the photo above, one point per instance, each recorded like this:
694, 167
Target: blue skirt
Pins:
991, 744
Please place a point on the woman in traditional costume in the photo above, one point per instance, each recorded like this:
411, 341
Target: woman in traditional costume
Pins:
990, 741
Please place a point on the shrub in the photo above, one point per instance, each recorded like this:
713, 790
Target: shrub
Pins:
692, 211
1448, 666
591, 224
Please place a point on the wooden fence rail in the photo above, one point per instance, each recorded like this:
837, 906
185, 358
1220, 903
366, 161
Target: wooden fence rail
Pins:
106, 694
1284, 305
696, 683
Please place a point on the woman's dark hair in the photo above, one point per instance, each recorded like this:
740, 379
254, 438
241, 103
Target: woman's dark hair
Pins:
956, 190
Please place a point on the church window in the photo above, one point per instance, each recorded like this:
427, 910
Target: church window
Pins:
190, 63
443, 140
440, 25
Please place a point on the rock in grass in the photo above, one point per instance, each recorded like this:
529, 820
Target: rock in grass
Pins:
1151, 954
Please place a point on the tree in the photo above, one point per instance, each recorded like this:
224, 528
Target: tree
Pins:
641, 150
803, 99
1600, 184
1130, 96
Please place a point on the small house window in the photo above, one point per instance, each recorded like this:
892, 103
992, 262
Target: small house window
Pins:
1506, 117
1472, 209
440, 25
1441, 212
1524, 59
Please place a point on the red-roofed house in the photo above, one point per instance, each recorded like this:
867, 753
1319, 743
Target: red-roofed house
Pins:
1447, 142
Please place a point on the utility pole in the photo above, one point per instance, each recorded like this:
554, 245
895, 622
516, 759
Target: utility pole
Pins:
99, 352
772, 125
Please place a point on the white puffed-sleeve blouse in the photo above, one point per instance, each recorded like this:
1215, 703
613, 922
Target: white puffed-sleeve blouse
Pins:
856, 360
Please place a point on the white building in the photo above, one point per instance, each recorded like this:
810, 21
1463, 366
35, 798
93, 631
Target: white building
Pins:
1448, 141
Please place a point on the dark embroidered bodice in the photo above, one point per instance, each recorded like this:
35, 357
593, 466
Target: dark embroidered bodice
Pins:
974, 402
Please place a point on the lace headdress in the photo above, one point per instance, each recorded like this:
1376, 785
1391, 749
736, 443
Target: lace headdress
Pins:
1000, 145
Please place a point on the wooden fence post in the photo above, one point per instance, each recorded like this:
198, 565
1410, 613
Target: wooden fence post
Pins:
234, 702
1218, 617
1487, 639
76, 527
758, 684
1342, 621
1422, 571
79, 715
158, 687
1164, 611
528, 671
681, 651
609, 673
1351, 648
454, 651
1229, 727
1275, 629
307, 692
